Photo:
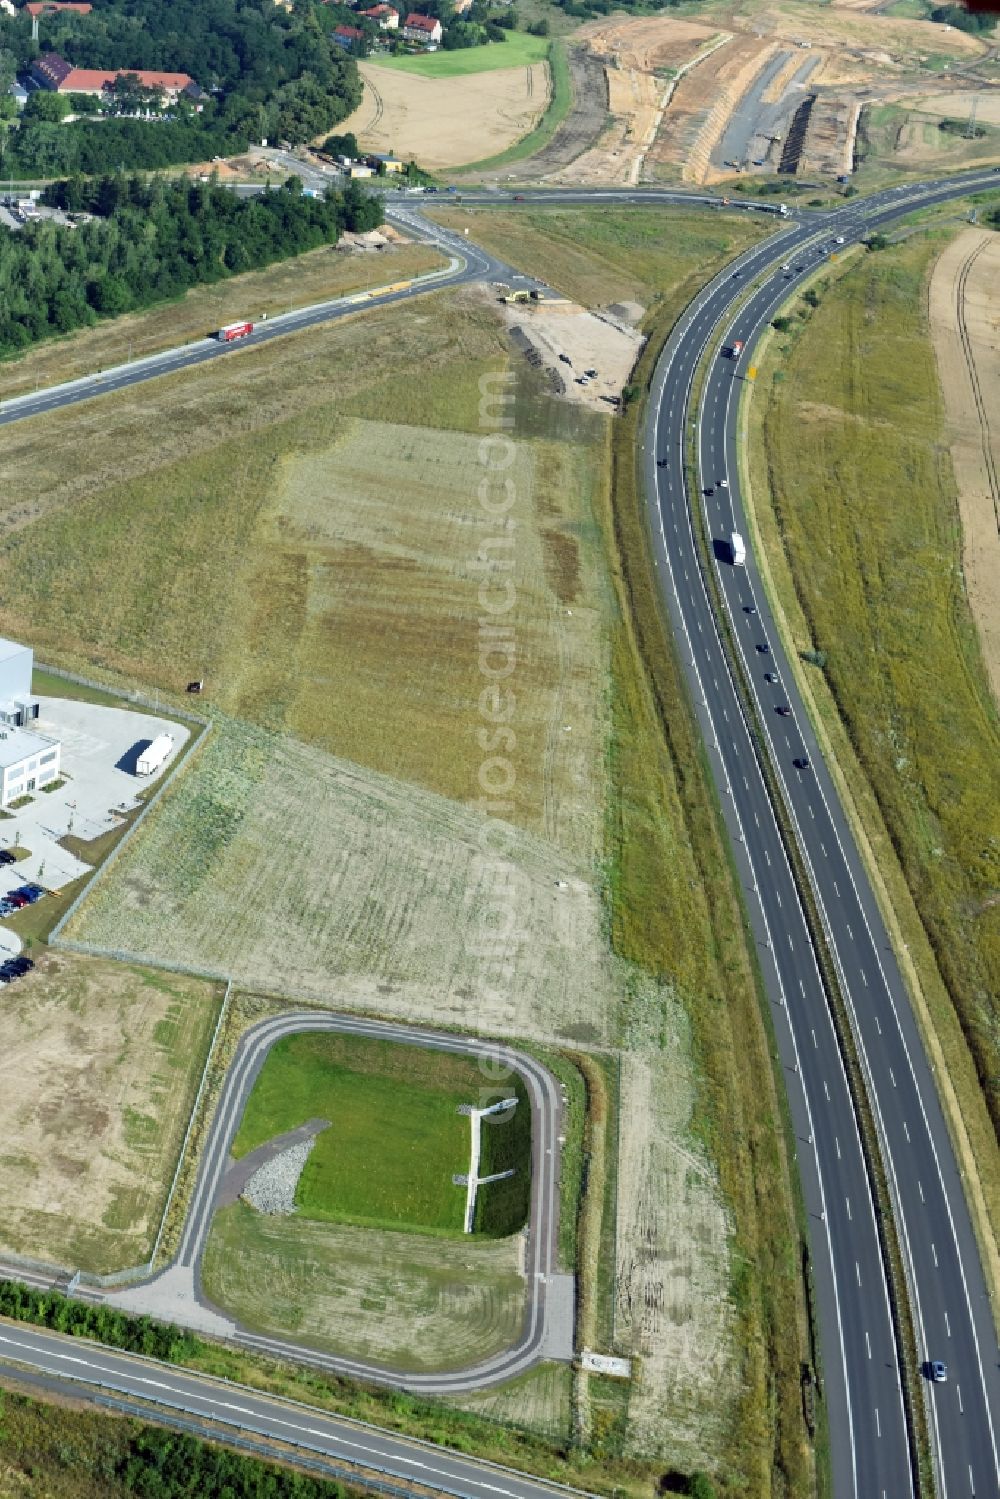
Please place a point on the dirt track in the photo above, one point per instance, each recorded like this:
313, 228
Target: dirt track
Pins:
584, 123
965, 325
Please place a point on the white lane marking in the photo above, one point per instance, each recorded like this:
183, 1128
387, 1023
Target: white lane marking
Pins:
906, 1131
892, 1077
947, 1325
934, 1253
826, 1089
920, 1189
836, 1143
868, 1343
857, 1271
878, 1423
877, 1025
850, 1215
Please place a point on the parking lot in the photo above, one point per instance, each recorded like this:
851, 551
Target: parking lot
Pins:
99, 785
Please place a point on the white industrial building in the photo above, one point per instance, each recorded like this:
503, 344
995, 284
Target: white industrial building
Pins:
17, 705
27, 763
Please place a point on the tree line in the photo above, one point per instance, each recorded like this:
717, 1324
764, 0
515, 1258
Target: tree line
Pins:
149, 240
268, 74
103, 1323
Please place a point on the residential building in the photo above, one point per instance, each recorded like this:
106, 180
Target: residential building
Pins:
50, 71
349, 37
386, 16
426, 29
358, 169
49, 7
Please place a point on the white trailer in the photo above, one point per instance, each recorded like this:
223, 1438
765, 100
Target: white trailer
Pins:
737, 550
153, 756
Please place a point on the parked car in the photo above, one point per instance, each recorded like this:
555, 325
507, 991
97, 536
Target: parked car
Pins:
17, 899
34, 892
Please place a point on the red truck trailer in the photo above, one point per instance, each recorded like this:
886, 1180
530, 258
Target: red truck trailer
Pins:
232, 331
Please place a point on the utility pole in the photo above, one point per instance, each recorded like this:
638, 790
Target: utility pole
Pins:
970, 129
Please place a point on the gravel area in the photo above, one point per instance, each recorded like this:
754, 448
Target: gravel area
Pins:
271, 1189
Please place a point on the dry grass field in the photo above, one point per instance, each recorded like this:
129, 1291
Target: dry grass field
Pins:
290, 869
293, 283
636, 255
410, 1302
446, 122
102, 1061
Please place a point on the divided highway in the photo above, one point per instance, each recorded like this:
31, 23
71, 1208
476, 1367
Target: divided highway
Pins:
953, 1320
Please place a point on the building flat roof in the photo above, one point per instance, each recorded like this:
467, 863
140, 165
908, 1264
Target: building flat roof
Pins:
18, 744
10, 648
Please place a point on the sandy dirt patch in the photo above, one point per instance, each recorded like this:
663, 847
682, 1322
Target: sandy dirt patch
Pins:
965, 326
446, 122
102, 1062
672, 1307
639, 56
699, 112
567, 341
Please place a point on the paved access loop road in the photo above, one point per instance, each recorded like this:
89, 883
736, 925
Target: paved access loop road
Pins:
861, 1361
537, 1335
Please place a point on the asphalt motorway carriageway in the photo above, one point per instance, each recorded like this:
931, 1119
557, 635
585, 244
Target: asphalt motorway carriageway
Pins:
861, 1368
278, 1423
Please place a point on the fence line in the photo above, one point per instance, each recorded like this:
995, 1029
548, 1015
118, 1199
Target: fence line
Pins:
195, 1109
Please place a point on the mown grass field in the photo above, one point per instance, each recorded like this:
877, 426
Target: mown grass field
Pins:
396, 1137
408, 1300
598, 257
517, 50
865, 512
293, 283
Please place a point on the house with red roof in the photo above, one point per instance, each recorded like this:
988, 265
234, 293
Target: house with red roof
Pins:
426, 29
50, 71
385, 16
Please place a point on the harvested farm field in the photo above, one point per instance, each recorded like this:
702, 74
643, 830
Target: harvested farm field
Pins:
964, 317
107, 1058
400, 1299
446, 121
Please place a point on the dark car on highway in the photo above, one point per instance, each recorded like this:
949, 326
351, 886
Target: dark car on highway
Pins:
801, 762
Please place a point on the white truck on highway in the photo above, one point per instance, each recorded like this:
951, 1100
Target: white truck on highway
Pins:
737, 550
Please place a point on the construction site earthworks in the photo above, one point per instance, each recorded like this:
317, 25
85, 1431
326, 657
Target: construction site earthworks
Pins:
744, 91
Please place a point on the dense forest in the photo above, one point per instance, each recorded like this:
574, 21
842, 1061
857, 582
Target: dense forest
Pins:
269, 74
150, 240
